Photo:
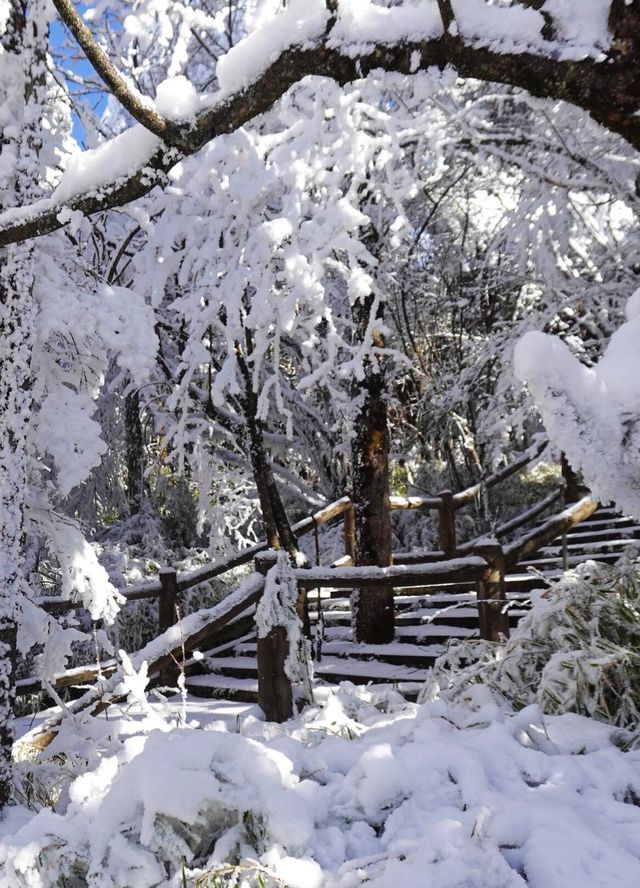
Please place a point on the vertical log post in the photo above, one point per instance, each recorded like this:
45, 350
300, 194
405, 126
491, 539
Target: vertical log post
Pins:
493, 617
350, 533
275, 692
447, 524
167, 617
168, 598
302, 602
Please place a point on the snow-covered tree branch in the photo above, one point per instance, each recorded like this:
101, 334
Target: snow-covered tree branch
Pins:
587, 56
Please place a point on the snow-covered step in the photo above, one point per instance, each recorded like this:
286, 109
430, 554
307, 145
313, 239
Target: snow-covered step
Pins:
591, 547
331, 668
595, 523
421, 634
572, 560
230, 688
402, 652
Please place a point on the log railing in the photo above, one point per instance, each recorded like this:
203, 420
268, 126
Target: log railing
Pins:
171, 583
475, 562
484, 563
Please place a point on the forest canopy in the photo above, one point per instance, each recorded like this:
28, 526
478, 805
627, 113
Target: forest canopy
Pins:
255, 255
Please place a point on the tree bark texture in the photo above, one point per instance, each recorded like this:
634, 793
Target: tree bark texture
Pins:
373, 608
135, 454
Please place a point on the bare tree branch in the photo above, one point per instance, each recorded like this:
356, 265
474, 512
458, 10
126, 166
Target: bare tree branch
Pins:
130, 100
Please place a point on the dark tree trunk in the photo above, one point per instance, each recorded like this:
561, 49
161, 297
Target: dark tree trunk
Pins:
276, 524
571, 480
373, 608
135, 455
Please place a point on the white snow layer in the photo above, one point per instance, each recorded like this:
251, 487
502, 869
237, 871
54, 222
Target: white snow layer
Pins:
592, 413
113, 160
177, 99
362, 788
298, 23
362, 22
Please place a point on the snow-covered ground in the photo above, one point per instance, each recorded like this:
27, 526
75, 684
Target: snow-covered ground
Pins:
362, 788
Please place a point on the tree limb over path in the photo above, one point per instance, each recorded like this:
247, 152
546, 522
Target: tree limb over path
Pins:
605, 82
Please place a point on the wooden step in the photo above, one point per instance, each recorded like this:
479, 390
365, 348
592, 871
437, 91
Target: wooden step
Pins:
427, 618
396, 652
244, 690
332, 668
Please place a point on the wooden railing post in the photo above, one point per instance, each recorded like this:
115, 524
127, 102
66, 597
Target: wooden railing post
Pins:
275, 691
168, 598
447, 523
167, 617
350, 532
493, 617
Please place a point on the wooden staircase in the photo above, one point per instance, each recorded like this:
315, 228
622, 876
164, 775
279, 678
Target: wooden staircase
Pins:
426, 619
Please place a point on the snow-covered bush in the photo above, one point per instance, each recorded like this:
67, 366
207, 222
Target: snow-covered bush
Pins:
361, 788
578, 650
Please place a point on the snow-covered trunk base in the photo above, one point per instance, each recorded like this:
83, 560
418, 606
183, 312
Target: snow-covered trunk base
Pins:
284, 651
16, 333
373, 608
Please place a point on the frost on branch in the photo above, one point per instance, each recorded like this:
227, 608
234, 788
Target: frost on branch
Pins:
592, 413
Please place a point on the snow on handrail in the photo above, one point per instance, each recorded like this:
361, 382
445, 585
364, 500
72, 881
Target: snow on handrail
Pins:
565, 520
470, 568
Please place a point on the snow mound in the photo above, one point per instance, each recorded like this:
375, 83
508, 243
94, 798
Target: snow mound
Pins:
362, 787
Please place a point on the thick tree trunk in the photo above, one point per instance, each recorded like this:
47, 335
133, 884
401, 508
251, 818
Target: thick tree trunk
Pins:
135, 454
373, 608
25, 43
16, 334
15, 408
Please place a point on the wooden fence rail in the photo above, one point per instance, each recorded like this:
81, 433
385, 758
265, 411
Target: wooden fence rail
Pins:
483, 565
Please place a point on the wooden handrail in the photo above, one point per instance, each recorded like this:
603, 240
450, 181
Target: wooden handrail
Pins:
205, 573
454, 570
160, 653
189, 579
530, 543
414, 502
465, 496
529, 514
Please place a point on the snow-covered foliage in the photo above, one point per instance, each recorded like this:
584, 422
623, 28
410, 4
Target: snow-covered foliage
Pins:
592, 412
577, 650
363, 787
